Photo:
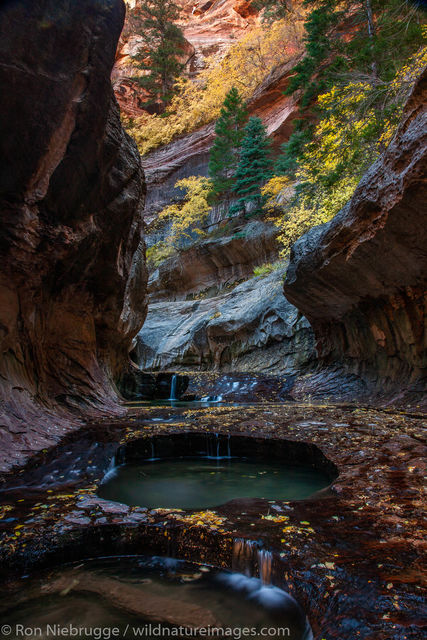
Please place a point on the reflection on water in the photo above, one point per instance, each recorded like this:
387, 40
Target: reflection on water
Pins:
161, 592
206, 401
197, 483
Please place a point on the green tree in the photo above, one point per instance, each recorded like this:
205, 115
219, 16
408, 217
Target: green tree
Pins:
158, 58
224, 154
274, 9
364, 41
254, 168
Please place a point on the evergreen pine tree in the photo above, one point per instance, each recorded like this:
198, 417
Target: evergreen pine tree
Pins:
254, 167
224, 154
163, 42
347, 40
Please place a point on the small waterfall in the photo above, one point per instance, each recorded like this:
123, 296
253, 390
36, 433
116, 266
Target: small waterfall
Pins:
173, 387
248, 557
153, 451
208, 446
265, 560
214, 443
110, 471
244, 555
211, 399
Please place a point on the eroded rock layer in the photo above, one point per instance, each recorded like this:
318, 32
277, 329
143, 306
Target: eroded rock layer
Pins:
72, 271
210, 28
251, 327
214, 262
361, 279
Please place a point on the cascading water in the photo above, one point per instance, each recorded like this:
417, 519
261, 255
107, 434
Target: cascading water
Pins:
173, 387
244, 554
247, 557
265, 560
214, 442
153, 452
111, 470
211, 399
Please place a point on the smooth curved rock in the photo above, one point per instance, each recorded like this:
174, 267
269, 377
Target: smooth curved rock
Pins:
361, 279
72, 271
250, 328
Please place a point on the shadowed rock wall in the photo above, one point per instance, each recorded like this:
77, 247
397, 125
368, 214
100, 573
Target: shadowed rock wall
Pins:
72, 271
361, 279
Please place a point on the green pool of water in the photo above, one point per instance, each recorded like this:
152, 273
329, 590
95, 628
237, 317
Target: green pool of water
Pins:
203, 482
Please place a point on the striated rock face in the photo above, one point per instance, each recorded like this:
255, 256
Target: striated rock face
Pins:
250, 328
209, 27
189, 154
72, 272
361, 279
214, 263
212, 26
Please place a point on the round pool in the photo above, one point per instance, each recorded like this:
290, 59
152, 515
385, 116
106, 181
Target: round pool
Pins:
200, 483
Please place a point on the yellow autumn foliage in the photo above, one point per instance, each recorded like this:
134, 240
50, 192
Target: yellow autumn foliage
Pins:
273, 189
187, 216
352, 133
246, 65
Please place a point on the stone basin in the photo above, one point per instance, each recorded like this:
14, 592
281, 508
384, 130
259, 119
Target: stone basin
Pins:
199, 470
360, 542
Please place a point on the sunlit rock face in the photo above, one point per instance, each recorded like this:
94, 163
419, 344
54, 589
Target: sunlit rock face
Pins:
72, 270
361, 279
210, 28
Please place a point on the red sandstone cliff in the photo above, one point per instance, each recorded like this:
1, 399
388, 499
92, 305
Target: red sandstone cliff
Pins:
72, 269
210, 28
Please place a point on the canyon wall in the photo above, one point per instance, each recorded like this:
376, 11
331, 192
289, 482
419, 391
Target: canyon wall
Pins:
250, 327
194, 293
361, 278
72, 268
189, 154
210, 27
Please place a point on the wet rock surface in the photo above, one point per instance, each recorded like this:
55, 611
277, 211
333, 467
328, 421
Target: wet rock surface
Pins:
361, 279
252, 327
138, 385
72, 272
240, 387
351, 556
